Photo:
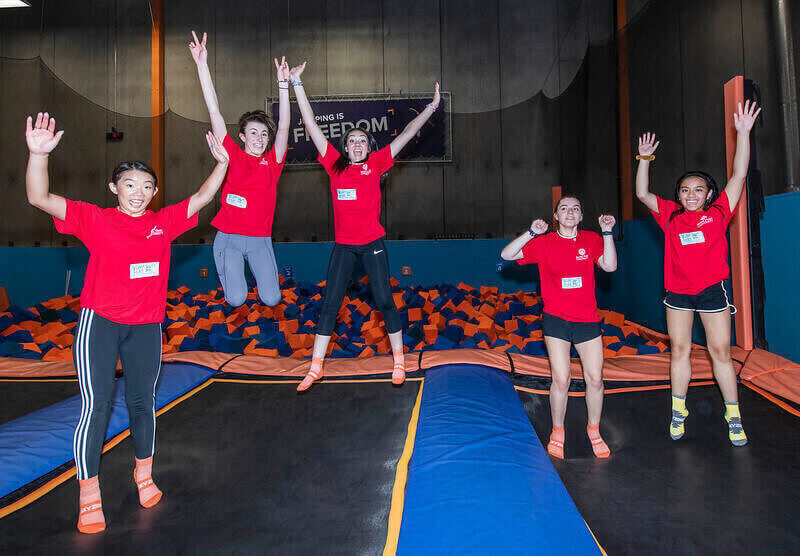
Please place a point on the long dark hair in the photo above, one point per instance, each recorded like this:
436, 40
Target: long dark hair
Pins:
343, 161
710, 182
260, 117
128, 165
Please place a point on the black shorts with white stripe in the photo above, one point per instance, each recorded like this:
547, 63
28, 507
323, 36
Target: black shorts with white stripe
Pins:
713, 299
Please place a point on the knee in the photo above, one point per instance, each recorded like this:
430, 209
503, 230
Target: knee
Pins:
593, 382
235, 299
560, 384
270, 298
720, 352
680, 350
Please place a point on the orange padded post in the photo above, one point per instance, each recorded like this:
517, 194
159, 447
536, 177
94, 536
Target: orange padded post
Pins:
740, 251
556, 199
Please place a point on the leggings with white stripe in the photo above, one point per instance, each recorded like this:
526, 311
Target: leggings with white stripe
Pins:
98, 344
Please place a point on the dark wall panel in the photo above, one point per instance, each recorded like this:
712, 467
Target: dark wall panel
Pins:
473, 197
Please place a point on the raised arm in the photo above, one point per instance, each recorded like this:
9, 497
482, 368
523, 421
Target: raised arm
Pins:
647, 146
284, 117
200, 56
743, 120
513, 250
210, 187
608, 261
317, 137
42, 138
415, 125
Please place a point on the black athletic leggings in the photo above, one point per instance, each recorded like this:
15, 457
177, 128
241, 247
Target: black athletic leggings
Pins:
98, 344
340, 270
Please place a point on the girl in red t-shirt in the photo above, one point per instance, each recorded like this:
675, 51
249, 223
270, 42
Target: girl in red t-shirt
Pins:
247, 203
122, 302
695, 267
566, 260
356, 171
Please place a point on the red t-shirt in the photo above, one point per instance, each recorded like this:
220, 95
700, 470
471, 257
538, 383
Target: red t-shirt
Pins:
126, 279
247, 202
696, 248
356, 193
566, 269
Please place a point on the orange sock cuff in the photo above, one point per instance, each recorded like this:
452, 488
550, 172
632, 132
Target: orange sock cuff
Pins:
599, 446
555, 447
90, 510
149, 493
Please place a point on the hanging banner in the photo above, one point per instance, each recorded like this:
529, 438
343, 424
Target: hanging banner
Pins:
383, 115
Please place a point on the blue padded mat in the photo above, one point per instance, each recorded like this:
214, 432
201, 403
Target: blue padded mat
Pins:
40, 442
480, 481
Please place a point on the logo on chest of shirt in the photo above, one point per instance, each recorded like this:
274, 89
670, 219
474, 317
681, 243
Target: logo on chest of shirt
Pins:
264, 162
581, 256
365, 171
704, 220
156, 231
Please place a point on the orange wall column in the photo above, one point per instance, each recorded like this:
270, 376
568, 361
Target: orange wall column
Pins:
157, 99
740, 244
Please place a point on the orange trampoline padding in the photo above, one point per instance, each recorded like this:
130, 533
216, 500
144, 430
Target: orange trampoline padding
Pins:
773, 373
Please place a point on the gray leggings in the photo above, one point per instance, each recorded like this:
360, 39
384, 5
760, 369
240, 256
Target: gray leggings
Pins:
230, 252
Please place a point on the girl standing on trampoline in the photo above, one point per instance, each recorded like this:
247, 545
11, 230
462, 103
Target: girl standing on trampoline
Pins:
566, 259
122, 302
247, 204
356, 170
695, 267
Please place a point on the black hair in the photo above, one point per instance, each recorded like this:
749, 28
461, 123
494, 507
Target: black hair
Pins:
261, 117
343, 161
129, 165
710, 182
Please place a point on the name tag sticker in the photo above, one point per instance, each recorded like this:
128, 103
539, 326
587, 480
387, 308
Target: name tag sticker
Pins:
346, 194
690, 238
571, 283
144, 270
236, 201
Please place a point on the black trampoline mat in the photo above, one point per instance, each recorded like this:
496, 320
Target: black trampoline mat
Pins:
245, 468
697, 495
26, 396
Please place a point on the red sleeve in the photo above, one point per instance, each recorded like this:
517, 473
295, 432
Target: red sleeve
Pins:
381, 159
665, 210
78, 220
331, 156
723, 203
530, 251
598, 247
235, 152
176, 220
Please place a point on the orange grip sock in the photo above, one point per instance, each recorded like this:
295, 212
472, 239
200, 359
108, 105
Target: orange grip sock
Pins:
314, 374
599, 446
149, 493
556, 445
399, 369
90, 515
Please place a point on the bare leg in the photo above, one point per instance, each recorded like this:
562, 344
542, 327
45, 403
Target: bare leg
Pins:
679, 328
591, 354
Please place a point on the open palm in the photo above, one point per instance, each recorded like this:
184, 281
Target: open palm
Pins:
41, 136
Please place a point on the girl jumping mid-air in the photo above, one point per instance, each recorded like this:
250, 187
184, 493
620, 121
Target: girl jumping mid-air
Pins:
696, 266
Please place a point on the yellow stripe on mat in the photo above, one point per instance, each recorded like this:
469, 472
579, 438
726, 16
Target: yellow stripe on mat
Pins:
400, 479
69, 473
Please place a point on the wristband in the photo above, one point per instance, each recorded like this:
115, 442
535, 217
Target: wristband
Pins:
432, 106
284, 88
647, 157
283, 80
532, 233
296, 82
608, 233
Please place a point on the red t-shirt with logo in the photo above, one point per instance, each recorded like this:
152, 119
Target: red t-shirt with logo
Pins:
249, 192
566, 270
696, 248
126, 279
356, 195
